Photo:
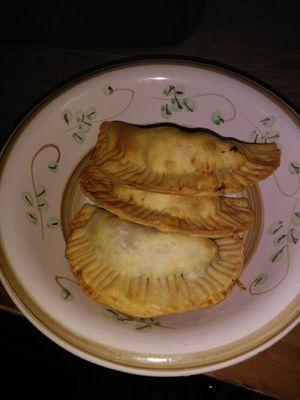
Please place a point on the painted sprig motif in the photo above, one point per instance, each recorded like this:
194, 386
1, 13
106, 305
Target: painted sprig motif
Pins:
283, 238
84, 121
65, 292
139, 324
262, 132
80, 122
176, 100
36, 200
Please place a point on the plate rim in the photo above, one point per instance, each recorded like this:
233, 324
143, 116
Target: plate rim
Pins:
8, 145
87, 72
144, 370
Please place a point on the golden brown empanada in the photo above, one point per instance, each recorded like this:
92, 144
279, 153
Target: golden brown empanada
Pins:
170, 160
202, 216
142, 272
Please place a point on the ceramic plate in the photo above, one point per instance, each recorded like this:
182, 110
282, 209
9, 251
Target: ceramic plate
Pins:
40, 194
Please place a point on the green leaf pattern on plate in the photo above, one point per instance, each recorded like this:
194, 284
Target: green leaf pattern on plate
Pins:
144, 328
166, 110
91, 113
53, 223
262, 135
43, 204
41, 191
53, 166
280, 240
67, 116
175, 101
139, 324
275, 227
217, 118
285, 236
66, 294
38, 197
260, 279
268, 121
79, 138
32, 217
27, 198
84, 120
294, 235
189, 104
294, 167
296, 218
108, 90
275, 257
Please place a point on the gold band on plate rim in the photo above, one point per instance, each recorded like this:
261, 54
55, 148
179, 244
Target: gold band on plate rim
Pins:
146, 362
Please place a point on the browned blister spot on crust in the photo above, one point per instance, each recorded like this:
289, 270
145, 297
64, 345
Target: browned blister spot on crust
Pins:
169, 165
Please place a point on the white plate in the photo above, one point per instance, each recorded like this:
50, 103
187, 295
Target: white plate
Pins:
39, 194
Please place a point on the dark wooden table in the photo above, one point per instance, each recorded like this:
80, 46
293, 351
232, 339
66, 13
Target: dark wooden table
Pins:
260, 37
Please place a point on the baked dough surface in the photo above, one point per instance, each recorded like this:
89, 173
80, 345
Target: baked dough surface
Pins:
142, 272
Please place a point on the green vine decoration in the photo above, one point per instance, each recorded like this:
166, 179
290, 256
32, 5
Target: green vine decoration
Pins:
38, 199
86, 119
282, 241
139, 324
176, 101
262, 135
294, 169
65, 292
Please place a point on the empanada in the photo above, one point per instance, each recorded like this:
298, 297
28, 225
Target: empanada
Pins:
171, 160
142, 272
202, 216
